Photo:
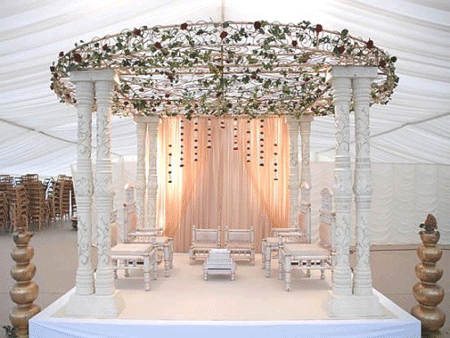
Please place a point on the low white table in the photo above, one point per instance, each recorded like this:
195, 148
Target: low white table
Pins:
303, 257
141, 256
162, 243
219, 262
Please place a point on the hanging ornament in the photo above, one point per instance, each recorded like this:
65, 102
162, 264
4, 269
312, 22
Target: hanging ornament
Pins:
275, 163
275, 159
222, 123
248, 133
209, 134
261, 143
235, 134
170, 164
196, 140
181, 143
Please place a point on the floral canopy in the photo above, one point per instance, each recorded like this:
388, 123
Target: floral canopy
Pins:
228, 68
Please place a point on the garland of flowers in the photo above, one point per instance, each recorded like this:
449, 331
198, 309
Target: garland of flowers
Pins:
229, 68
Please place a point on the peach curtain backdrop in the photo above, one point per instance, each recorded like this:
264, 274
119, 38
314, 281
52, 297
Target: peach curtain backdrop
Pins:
222, 188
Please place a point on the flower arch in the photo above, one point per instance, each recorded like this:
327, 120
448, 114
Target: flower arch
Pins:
228, 68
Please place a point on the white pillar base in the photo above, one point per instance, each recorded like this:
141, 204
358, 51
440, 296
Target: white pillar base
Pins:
353, 306
94, 306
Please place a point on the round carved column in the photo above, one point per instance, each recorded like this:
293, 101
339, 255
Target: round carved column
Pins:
294, 181
305, 186
427, 292
25, 291
141, 132
362, 187
84, 187
104, 282
152, 182
342, 187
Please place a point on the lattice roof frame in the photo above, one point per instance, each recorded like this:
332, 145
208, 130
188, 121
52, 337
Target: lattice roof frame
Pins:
227, 68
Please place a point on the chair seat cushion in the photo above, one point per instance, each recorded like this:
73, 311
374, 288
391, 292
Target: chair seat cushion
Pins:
306, 250
204, 245
131, 249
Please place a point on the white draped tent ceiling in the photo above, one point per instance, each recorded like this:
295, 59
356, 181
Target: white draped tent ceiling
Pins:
39, 133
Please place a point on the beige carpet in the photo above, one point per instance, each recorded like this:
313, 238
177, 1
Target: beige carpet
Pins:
56, 259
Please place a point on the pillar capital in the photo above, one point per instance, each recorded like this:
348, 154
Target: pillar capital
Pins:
94, 76
351, 72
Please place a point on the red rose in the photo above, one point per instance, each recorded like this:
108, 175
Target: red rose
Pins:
183, 26
294, 43
319, 28
137, 31
223, 35
77, 57
370, 44
52, 69
254, 76
158, 45
257, 25
61, 54
382, 63
394, 58
105, 47
167, 95
341, 49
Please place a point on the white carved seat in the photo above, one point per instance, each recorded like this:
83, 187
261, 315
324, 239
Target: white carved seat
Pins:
131, 256
163, 244
270, 245
219, 262
203, 240
315, 256
241, 243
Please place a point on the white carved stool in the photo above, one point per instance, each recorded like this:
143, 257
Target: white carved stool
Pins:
219, 262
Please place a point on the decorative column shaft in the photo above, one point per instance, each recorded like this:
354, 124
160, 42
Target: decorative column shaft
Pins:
152, 183
427, 292
305, 186
293, 172
342, 186
104, 282
141, 132
25, 291
362, 186
84, 187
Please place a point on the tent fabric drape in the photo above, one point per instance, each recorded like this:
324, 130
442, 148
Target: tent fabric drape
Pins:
221, 188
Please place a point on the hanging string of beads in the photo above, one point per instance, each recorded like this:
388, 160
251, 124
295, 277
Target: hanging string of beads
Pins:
248, 133
209, 134
181, 143
275, 161
170, 165
261, 143
196, 140
222, 123
235, 134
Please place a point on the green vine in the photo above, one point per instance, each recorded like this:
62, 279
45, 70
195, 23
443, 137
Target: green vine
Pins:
252, 68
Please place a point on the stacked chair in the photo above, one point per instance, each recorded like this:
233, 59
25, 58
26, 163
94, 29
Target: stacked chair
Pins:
38, 210
18, 205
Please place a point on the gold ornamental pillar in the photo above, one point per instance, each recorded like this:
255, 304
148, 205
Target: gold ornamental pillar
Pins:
25, 291
427, 292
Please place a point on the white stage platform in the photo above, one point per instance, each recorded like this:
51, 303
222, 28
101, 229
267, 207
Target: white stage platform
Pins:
184, 305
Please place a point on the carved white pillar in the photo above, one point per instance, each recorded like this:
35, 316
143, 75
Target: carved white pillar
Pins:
104, 282
293, 172
84, 187
362, 185
141, 132
343, 301
305, 186
105, 301
342, 185
152, 182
